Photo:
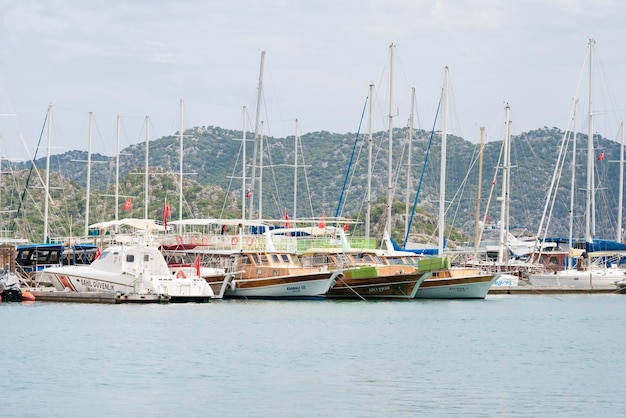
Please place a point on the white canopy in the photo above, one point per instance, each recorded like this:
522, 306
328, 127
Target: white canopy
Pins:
143, 224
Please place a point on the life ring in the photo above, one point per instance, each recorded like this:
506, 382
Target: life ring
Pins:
250, 241
179, 239
234, 241
181, 274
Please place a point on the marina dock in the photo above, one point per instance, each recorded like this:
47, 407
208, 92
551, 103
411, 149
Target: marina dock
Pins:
534, 290
96, 297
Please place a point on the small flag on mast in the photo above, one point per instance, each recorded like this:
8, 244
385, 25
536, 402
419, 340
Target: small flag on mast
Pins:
166, 213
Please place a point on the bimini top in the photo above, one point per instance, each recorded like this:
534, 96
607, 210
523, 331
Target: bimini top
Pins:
143, 224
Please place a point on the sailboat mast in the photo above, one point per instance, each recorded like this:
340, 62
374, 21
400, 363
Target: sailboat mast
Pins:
117, 170
621, 187
478, 193
47, 185
590, 212
88, 176
180, 169
442, 175
243, 166
409, 164
573, 185
390, 155
257, 128
506, 166
261, 171
145, 183
368, 209
295, 173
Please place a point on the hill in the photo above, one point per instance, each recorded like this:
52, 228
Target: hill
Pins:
212, 180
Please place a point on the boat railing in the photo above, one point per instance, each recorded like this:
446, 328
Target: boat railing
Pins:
232, 242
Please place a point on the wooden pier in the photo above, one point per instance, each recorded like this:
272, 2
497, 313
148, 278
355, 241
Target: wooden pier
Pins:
96, 297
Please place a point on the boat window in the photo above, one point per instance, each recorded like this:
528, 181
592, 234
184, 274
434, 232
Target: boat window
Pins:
285, 258
255, 258
275, 258
130, 258
146, 257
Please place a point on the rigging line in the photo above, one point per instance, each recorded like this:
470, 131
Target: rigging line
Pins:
419, 186
356, 140
459, 193
553, 180
232, 178
33, 167
494, 182
306, 177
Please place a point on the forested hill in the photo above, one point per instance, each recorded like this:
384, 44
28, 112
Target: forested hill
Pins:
212, 165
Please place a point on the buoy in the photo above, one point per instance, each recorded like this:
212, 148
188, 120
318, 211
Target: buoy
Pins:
181, 274
27, 297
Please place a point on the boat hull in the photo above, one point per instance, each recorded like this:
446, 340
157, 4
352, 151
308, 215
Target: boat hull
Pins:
474, 286
590, 279
313, 285
84, 279
403, 286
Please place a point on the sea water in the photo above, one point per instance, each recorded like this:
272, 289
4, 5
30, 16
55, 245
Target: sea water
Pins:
505, 356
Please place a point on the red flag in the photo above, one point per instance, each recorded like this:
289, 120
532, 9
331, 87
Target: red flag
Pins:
601, 156
286, 219
345, 227
128, 205
197, 266
166, 213
98, 251
322, 222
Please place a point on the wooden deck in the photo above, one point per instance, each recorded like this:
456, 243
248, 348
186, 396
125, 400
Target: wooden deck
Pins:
96, 297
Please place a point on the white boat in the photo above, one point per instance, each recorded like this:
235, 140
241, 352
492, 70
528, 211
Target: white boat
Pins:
592, 277
137, 269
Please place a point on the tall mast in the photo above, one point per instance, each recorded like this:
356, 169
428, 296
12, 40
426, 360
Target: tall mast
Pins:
295, 174
590, 212
257, 128
506, 166
47, 185
390, 157
621, 187
243, 166
180, 168
145, 183
88, 176
442, 176
480, 185
409, 164
369, 169
573, 185
261, 172
117, 170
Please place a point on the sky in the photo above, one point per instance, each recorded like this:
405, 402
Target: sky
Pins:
138, 58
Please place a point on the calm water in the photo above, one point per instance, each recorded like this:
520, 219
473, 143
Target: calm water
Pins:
506, 356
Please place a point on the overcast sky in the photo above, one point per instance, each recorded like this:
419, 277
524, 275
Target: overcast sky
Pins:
139, 58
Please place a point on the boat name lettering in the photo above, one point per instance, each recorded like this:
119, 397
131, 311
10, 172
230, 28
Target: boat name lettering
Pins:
379, 289
94, 284
296, 288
